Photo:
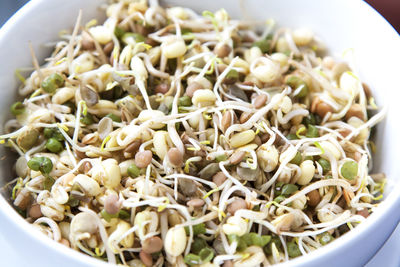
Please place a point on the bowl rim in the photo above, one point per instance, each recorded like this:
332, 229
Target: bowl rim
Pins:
390, 202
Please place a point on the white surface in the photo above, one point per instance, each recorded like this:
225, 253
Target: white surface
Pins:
342, 24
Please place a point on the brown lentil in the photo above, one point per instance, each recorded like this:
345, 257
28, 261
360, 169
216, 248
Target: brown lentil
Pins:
152, 244
146, 258
162, 88
219, 178
313, 198
222, 50
260, 101
237, 204
195, 202
226, 120
355, 111
111, 204
143, 158
194, 86
175, 156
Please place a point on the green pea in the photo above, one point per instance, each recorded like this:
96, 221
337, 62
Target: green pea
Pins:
42, 164
52, 82
289, 189
107, 216
48, 182
325, 238
198, 244
73, 201
309, 158
197, 229
48, 132
53, 145
297, 159
293, 249
256, 239
184, 101
312, 131
119, 32
220, 158
310, 119
276, 241
130, 36
295, 82
186, 31
241, 244
349, 170
124, 215
133, 170
192, 259
206, 254
279, 199
292, 137
17, 108
87, 119
264, 45
114, 117
325, 164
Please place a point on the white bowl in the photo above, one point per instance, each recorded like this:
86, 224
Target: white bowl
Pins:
341, 24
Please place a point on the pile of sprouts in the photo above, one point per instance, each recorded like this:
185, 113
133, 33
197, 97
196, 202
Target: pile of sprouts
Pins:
163, 137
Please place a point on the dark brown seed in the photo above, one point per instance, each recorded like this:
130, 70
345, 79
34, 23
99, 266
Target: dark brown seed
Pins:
260, 101
187, 187
89, 96
236, 205
237, 157
226, 120
313, 198
257, 140
132, 147
108, 47
162, 88
143, 159
146, 258
219, 178
152, 244
222, 50
87, 42
245, 116
194, 86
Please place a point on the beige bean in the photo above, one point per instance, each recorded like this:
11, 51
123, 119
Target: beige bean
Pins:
313, 198
152, 244
242, 138
175, 156
355, 111
112, 204
143, 159
146, 258
193, 87
226, 120
260, 101
195, 203
236, 205
237, 157
222, 50
219, 178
